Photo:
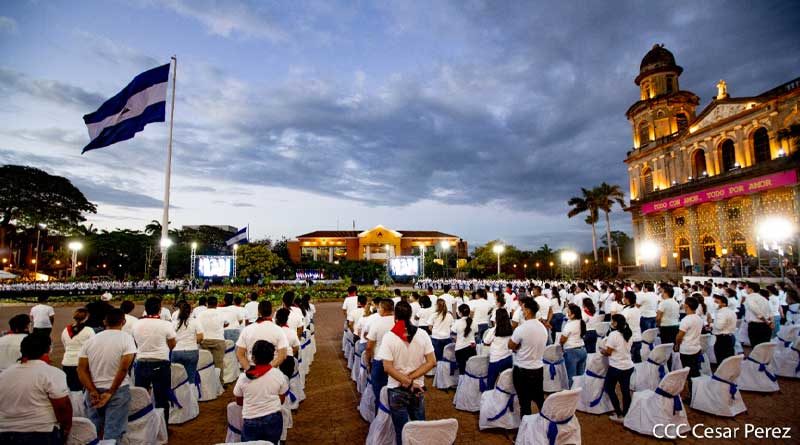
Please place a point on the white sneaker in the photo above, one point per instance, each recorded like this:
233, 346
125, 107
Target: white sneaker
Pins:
616, 418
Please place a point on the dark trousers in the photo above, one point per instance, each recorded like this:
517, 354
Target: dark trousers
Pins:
529, 385
462, 355
269, 428
405, 405
438, 346
158, 374
758, 333
13, 438
481, 329
621, 377
636, 351
379, 379
646, 323
691, 361
668, 333
73, 382
495, 368
723, 347
287, 367
44, 332
590, 341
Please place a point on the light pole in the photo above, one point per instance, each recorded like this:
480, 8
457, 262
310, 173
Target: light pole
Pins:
498, 249
75, 246
36, 260
445, 247
193, 258
648, 252
235, 249
165, 244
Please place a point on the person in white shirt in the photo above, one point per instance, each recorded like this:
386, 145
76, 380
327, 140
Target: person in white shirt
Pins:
792, 307
620, 366
154, 338
577, 299
571, 340
688, 340
481, 307
73, 337
633, 317
251, 308
213, 325
201, 306
35, 407
449, 300
233, 318
10, 351
774, 299
262, 329
464, 328
424, 312
528, 342
377, 330
350, 301
127, 307
188, 333
103, 365
647, 302
292, 341
407, 354
440, 322
758, 315
295, 313
546, 310
260, 391
668, 315
496, 339
355, 315
42, 316
724, 329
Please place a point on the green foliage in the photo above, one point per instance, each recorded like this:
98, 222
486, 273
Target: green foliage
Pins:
257, 260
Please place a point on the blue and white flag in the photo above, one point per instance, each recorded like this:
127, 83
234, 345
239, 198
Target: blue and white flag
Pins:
240, 236
121, 117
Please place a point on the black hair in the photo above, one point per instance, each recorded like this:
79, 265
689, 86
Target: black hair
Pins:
237, 300
397, 292
693, 303
127, 306
253, 296
282, 316
589, 305
42, 298
500, 298
265, 308
288, 298
352, 289
115, 317
388, 305
622, 326
668, 290
228, 298
754, 286
201, 301
631, 297
465, 312
502, 323
576, 315
152, 306
425, 301
402, 312
212, 302
184, 312
19, 323
33, 347
263, 352
446, 288
722, 298
531, 305
362, 300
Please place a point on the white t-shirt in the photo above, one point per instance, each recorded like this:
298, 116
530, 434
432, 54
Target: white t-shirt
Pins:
355, 315
480, 310
264, 330
361, 327
424, 314
725, 321
572, 330
757, 309
151, 335
670, 312
296, 318
498, 346
378, 329
186, 335
231, 315
291, 340
406, 357
462, 340
648, 302
200, 309
130, 320
544, 307
25, 396
251, 311
104, 352
40, 314
440, 328
262, 395
10, 349
211, 322
165, 314
633, 316
531, 336
350, 303
621, 357
73, 345
692, 327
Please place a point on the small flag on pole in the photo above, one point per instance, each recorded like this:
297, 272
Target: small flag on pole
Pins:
240, 236
141, 102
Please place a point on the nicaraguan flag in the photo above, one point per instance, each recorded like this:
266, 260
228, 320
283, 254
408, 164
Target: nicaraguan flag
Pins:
240, 236
121, 117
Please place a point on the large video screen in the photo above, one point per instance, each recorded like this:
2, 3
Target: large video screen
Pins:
404, 266
215, 266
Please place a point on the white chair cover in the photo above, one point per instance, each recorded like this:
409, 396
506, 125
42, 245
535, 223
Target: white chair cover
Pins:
210, 387
648, 373
183, 400
787, 334
296, 393
363, 375
499, 406
555, 372
556, 424
78, 408
288, 421
446, 376
602, 329
357, 354
84, 433
593, 399
307, 349
472, 384
718, 394
146, 424
442, 432
366, 406
381, 430
676, 362
235, 421
662, 406
231, 364
757, 370
741, 333
706, 353
649, 338
786, 361
348, 350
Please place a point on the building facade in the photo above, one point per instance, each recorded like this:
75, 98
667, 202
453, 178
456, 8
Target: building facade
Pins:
700, 183
376, 244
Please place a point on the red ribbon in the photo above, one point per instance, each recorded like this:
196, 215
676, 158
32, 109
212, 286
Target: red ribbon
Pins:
257, 371
399, 329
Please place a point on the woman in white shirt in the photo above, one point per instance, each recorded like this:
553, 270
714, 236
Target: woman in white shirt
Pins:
496, 339
440, 322
424, 313
464, 329
633, 317
73, 337
189, 332
591, 319
724, 329
572, 336
260, 392
620, 366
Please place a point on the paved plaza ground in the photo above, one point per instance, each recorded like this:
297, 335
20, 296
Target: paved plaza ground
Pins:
329, 415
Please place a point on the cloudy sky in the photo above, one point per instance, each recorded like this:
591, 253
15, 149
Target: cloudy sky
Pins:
475, 118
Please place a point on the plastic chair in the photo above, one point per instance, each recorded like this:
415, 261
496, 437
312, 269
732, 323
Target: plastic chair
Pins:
555, 424
648, 342
146, 423
757, 373
742, 335
359, 351
210, 386
83, 432
381, 430
348, 350
787, 360
235, 421
593, 399
499, 406
422, 432
230, 363
446, 376
183, 399
472, 384
718, 394
662, 406
648, 374
555, 372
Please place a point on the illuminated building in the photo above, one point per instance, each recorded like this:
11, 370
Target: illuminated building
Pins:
701, 182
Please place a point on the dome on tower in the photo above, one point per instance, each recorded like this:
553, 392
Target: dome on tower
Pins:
658, 59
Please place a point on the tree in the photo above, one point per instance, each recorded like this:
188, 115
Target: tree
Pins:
607, 195
254, 260
623, 242
29, 196
586, 203
484, 260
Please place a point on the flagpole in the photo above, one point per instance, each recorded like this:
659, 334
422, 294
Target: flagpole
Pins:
164, 243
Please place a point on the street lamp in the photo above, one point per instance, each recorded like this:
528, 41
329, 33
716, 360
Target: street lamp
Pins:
498, 249
235, 249
192, 258
75, 246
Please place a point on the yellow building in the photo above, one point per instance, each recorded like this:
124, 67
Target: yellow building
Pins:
701, 182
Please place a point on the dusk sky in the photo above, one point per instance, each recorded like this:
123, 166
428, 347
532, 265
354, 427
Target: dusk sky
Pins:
474, 118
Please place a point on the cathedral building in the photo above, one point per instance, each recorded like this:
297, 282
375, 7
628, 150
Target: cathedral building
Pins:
700, 183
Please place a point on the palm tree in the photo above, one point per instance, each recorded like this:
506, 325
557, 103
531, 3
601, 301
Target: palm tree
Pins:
586, 203
607, 195
153, 228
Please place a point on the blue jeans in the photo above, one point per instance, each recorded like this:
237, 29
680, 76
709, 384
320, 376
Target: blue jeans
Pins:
189, 361
590, 340
269, 428
495, 368
636, 351
232, 334
646, 323
404, 406
479, 335
158, 374
556, 322
575, 361
438, 346
379, 379
112, 418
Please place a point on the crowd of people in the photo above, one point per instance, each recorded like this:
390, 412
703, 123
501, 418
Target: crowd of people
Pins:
93, 286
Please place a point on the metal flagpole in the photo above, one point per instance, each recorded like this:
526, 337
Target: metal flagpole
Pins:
162, 269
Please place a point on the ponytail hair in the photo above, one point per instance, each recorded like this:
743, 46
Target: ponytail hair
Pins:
464, 311
622, 326
576, 315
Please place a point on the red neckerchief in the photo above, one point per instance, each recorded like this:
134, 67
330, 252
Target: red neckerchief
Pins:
45, 358
153, 316
285, 325
399, 329
586, 311
69, 331
257, 371
263, 319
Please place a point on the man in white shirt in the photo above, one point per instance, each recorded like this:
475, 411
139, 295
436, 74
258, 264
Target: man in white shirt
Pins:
201, 306
213, 325
35, 407
758, 316
377, 330
10, 349
296, 320
260, 392
127, 307
528, 342
263, 329
577, 299
688, 340
103, 366
42, 316
251, 308
155, 338
668, 315
480, 308
724, 329
545, 313
233, 318
350, 301
648, 304
449, 300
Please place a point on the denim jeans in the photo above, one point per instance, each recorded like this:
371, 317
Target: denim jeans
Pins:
404, 406
590, 341
269, 428
495, 368
438, 346
575, 361
646, 323
379, 379
189, 361
158, 374
232, 334
556, 323
31, 438
479, 335
112, 418
622, 377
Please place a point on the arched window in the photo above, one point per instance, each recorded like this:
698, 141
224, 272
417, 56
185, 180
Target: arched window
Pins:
682, 121
684, 250
728, 155
647, 180
644, 133
698, 163
739, 244
709, 247
761, 145
670, 88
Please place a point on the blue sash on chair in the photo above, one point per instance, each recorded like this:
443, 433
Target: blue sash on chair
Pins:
797, 370
552, 427
553, 367
173, 399
649, 344
509, 406
481, 380
732, 387
234, 430
453, 365
141, 413
661, 368
677, 404
762, 367
597, 400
